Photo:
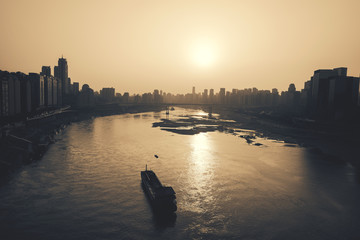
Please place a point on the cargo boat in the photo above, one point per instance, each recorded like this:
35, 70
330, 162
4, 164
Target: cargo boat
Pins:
161, 197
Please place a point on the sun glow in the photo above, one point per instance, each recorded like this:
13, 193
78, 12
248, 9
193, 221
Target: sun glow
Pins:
203, 54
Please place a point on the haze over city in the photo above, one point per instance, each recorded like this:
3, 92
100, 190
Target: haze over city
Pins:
136, 46
169, 119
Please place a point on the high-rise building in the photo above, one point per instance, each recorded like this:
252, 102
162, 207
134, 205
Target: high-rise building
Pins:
343, 96
211, 95
61, 72
58, 86
37, 91
205, 96
25, 92
157, 96
234, 96
86, 97
56, 98
126, 97
222, 95
292, 88
320, 82
70, 90
48, 90
46, 71
76, 88
4, 87
107, 93
56, 72
10, 94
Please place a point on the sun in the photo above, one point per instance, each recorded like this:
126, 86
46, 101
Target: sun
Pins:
203, 54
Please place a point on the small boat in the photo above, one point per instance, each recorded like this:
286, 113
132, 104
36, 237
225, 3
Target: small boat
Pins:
161, 197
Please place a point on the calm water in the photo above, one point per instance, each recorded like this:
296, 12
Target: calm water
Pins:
87, 186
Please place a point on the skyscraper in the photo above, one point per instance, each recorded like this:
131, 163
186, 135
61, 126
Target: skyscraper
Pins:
76, 88
56, 72
222, 95
211, 95
61, 72
205, 96
57, 82
46, 70
320, 82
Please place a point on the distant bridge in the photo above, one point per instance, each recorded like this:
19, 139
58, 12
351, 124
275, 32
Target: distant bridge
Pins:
189, 104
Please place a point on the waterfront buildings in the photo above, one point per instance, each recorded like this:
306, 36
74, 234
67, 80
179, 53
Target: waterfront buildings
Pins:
37, 88
107, 94
86, 97
25, 92
334, 95
329, 95
22, 94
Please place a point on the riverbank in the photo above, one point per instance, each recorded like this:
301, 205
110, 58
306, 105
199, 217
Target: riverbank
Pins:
26, 142
333, 142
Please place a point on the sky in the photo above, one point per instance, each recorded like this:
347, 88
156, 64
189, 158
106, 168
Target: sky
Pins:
138, 46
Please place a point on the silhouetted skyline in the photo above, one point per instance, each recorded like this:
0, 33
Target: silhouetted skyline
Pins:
330, 94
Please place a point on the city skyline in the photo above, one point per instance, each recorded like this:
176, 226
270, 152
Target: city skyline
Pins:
169, 46
46, 70
329, 94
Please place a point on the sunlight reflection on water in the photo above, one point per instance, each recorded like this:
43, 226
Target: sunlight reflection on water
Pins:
200, 173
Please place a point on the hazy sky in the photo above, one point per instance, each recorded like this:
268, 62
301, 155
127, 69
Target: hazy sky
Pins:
138, 46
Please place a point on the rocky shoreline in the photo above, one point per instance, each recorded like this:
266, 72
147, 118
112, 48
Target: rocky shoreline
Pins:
332, 142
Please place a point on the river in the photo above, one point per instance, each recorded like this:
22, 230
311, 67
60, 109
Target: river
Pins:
87, 186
